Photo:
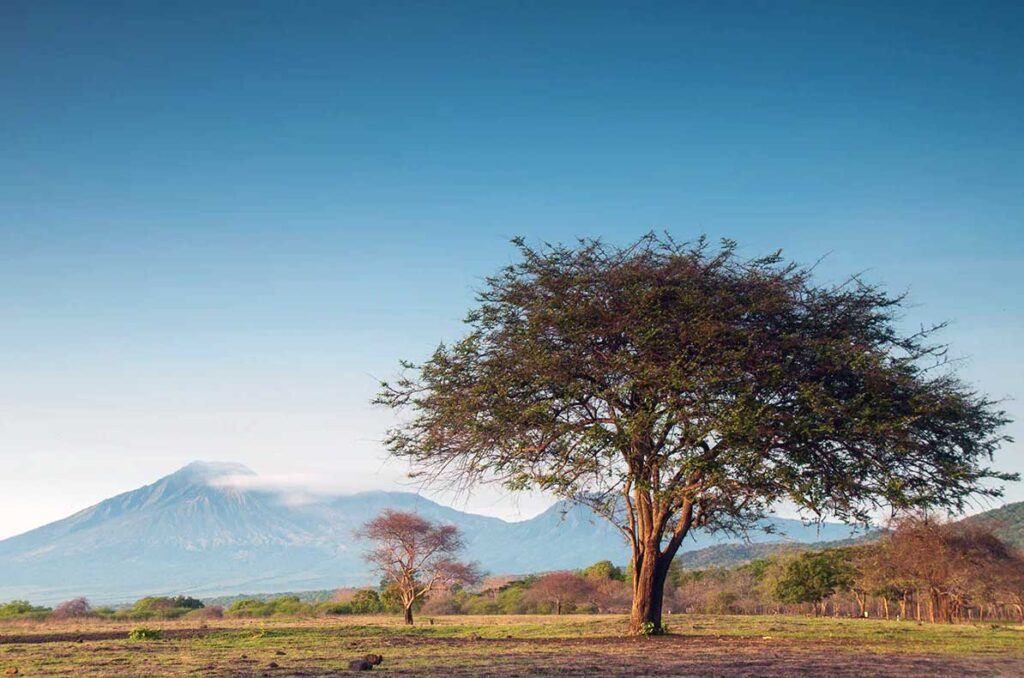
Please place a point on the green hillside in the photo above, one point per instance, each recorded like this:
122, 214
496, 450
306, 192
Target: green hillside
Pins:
1008, 522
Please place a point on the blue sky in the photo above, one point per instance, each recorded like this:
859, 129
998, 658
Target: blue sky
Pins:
220, 222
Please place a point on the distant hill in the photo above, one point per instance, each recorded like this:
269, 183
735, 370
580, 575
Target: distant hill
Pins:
199, 532
1008, 522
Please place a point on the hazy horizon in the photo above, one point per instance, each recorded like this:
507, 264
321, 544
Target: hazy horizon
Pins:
221, 225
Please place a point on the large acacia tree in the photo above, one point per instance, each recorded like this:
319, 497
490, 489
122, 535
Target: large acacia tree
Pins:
672, 386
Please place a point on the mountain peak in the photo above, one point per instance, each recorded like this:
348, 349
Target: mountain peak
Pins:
205, 471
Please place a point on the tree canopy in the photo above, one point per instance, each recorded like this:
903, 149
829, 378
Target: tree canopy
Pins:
677, 385
415, 556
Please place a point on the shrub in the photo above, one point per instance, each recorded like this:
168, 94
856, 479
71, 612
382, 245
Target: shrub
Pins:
21, 608
721, 602
248, 607
285, 605
212, 612
142, 633
72, 609
162, 607
366, 601
333, 608
441, 605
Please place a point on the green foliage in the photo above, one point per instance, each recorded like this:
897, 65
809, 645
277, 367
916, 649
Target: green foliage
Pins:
22, 608
740, 373
707, 384
481, 605
391, 600
604, 569
143, 633
366, 601
161, 607
1006, 521
652, 629
282, 606
722, 602
812, 576
511, 599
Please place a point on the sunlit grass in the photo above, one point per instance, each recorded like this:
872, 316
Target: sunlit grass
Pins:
321, 645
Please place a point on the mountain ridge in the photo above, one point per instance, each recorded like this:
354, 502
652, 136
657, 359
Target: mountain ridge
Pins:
196, 531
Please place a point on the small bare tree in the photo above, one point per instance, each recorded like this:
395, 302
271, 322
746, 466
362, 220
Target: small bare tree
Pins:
559, 588
416, 555
75, 608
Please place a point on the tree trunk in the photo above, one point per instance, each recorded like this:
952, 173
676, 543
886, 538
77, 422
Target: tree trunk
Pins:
408, 614
648, 592
862, 602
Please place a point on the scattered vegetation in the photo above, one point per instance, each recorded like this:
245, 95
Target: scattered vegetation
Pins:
22, 609
521, 645
921, 569
142, 633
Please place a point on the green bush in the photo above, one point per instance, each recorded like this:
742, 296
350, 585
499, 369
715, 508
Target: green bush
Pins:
23, 609
285, 605
333, 608
142, 633
366, 601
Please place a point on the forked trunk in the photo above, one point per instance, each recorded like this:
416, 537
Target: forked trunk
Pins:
862, 603
648, 594
650, 562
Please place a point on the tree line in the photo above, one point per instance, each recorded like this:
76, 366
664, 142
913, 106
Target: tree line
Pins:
920, 569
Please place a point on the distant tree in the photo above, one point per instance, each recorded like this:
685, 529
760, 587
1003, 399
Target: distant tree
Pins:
671, 386
248, 607
165, 606
188, 602
73, 609
18, 608
366, 601
949, 565
603, 569
1010, 583
210, 612
416, 556
559, 589
608, 588
813, 576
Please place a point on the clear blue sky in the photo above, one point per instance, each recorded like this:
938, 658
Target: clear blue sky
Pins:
219, 222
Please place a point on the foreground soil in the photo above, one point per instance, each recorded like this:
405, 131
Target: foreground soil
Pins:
516, 646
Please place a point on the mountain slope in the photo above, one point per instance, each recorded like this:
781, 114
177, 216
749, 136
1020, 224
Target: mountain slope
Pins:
199, 532
1007, 522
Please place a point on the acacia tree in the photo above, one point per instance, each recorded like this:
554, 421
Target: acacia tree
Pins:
812, 577
949, 565
559, 588
416, 556
672, 386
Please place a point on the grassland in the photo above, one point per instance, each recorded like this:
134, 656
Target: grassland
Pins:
519, 645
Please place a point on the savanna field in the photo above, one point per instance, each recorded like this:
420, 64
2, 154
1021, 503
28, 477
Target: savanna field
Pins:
576, 645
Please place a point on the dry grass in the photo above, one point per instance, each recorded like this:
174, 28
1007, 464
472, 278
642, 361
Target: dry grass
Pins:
515, 645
